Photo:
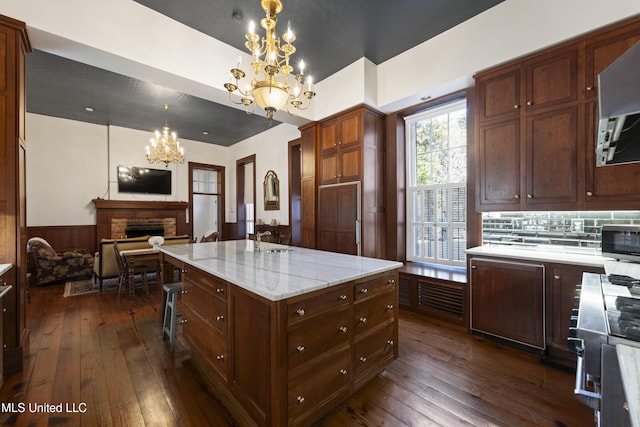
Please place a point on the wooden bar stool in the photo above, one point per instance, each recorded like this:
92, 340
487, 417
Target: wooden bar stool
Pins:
170, 321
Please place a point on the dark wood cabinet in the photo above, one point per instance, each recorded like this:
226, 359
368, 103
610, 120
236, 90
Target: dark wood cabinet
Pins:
308, 185
340, 148
562, 283
14, 45
351, 149
527, 135
536, 127
288, 362
507, 300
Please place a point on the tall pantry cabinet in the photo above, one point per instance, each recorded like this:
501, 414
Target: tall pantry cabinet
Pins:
14, 44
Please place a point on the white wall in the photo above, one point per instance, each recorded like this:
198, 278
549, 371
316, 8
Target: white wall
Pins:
69, 163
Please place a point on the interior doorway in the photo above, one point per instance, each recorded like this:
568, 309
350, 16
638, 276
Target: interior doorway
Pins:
206, 198
246, 195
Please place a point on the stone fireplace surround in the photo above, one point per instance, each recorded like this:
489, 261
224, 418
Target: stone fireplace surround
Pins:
113, 217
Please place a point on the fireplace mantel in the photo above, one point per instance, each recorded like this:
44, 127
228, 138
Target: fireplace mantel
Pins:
110, 212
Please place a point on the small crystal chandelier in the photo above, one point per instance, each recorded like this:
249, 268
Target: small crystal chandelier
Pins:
164, 146
274, 86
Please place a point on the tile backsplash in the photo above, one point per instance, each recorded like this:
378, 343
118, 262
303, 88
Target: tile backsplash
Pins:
570, 229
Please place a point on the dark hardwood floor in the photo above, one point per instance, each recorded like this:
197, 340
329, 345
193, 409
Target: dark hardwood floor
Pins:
106, 357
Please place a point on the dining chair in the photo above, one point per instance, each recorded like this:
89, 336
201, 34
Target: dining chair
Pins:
139, 269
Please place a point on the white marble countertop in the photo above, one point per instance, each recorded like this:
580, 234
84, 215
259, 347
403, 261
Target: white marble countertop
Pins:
4, 268
629, 360
545, 253
276, 275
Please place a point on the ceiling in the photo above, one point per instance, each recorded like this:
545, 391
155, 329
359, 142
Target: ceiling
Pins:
331, 34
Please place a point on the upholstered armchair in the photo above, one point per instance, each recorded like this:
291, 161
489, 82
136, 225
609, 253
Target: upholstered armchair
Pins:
52, 266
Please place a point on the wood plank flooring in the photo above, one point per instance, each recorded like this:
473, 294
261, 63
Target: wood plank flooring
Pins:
106, 357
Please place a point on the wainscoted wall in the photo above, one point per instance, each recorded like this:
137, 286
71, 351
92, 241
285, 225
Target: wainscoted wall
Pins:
573, 229
66, 237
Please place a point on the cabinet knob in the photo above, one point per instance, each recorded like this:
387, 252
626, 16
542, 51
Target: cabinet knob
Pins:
343, 329
364, 290
516, 196
219, 318
183, 321
220, 357
516, 107
589, 88
391, 281
300, 312
389, 342
529, 103
363, 359
363, 319
589, 193
300, 399
473, 267
300, 348
556, 277
529, 196
184, 271
219, 290
343, 371
342, 297
389, 307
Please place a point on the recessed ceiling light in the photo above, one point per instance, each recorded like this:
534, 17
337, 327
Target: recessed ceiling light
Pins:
89, 109
204, 132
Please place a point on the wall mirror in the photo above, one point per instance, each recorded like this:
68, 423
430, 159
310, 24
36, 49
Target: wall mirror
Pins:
271, 192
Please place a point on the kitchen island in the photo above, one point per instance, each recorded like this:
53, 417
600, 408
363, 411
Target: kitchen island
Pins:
284, 334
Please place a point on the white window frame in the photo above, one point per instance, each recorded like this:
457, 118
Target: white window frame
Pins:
435, 225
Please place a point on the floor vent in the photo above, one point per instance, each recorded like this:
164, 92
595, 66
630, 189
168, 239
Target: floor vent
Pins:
442, 298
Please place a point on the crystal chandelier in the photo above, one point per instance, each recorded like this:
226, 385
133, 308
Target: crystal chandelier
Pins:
273, 86
165, 147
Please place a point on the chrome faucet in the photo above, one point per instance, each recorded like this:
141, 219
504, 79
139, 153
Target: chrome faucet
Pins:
256, 242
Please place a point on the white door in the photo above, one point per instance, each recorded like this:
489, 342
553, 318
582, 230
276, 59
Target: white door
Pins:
205, 214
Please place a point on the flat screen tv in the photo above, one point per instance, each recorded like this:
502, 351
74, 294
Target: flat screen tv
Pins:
132, 179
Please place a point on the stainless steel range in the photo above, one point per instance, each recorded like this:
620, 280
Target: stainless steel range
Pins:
608, 314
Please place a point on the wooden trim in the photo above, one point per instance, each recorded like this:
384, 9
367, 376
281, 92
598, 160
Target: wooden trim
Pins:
221, 205
137, 204
240, 202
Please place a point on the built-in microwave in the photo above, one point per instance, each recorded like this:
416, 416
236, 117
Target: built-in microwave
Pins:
621, 242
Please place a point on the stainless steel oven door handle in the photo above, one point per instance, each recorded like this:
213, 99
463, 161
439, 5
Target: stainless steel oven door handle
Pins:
590, 398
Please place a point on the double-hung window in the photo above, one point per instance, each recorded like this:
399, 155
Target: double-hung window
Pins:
437, 184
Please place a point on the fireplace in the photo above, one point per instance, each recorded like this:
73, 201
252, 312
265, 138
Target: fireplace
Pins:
137, 230
116, 219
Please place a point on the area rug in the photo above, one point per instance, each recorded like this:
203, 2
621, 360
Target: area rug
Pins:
88, 286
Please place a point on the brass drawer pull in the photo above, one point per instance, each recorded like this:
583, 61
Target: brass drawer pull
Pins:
343, 329
364, 290
183, 321
343, 371
219, 290
220, 357
185, 292
300, 399
300, 348
389, 306
363, 319
391, 281
219, 318
300, 312
389, 342
343, 297
363, 359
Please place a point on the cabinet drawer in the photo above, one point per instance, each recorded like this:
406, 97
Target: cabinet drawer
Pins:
376, 286
374, 311
374, 349
208, 343
214, 287
319, 387
308, 340
205, 302
330, 299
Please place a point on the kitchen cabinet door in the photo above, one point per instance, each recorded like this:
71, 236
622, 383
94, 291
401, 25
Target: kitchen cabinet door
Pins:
338, 222
552, 159
507, 300
562, 282
612, 185
340, 149
551, 79
499, 166
602, 50
499, 95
